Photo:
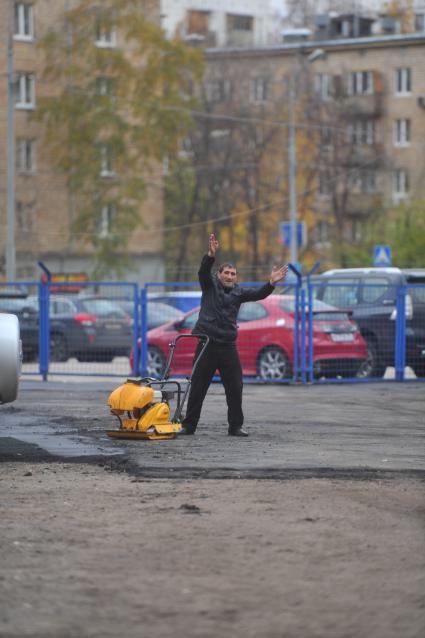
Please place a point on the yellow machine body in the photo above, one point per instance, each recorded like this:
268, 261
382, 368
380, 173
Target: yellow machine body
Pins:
148, 414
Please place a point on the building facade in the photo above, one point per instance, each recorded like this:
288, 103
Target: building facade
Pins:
360, 105
44, 208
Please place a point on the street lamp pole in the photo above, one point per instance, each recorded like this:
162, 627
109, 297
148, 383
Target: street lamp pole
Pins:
292, 174
10, 241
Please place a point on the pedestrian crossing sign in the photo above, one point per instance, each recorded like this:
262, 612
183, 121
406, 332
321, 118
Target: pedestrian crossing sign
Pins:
381, 255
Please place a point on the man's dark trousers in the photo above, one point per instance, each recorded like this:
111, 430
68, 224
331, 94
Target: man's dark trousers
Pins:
223, 357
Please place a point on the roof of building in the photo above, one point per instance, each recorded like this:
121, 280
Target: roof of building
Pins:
334, 43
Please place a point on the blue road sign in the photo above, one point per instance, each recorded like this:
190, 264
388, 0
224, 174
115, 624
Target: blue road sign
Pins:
382, 255
285, 234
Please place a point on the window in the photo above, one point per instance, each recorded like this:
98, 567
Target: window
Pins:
197, 21
25, 91
23, 21
403, 81
360, 83
218, 90
400, 184
420, 22
24, 215
402, 132
25, 156
105, 86
106, 161
341, 293
363, 181
190, 320
323, 86
321, 232
355, 230
324, 182
252, 311
240, 23
361, 132
326, 135
258, 90
106, 218
106, 36
374, 289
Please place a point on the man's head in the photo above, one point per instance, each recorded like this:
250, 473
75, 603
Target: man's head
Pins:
227, 275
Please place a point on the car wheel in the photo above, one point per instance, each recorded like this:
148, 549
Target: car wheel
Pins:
371, 367
156, 362
273, 364
58, 347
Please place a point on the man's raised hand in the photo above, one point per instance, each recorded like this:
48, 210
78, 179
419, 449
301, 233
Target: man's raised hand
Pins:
212, 245
278, 274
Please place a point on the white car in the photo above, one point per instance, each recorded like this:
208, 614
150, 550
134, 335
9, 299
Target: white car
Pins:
10, 357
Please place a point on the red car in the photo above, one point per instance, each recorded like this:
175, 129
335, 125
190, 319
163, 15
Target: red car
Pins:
266, 341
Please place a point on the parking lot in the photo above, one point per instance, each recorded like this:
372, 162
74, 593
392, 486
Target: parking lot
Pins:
314, 526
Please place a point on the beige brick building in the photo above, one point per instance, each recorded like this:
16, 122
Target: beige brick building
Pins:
379, 85
44, 209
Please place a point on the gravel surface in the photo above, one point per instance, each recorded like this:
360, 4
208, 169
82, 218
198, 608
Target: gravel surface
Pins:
312, 527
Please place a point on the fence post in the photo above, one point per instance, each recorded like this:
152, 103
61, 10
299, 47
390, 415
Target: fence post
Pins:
136, 330
143, 363
296, 365
310, 301
400, 334
43, 329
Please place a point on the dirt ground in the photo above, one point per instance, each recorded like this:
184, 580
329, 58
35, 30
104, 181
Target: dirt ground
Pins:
329, 543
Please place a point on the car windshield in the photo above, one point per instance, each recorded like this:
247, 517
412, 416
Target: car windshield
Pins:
159, 313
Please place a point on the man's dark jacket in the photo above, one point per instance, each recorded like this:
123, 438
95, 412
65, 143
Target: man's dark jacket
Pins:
220, 305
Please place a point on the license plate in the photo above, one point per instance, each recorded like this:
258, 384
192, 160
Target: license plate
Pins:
342, 336
112, 326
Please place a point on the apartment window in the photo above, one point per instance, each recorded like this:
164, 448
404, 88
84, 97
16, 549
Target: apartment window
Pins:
363, 181
24, 215
324, 183
105, 86
25, 91
402, 132
322, 232
360, 83
24, 28
106, 36
356, 230
240, 23
218, 90
258, 90
361, 132
323, 85
400, 184
25, 159
197, 21
403, 81
420, 22
326, 135
106, 162
105, 222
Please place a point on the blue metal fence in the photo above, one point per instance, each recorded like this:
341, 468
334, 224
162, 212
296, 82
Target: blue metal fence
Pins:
293, 337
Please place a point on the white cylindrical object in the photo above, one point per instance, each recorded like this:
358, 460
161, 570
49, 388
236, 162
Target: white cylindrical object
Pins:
10, 357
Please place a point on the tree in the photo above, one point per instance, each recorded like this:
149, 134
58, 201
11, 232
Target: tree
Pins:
402, 228
119, 111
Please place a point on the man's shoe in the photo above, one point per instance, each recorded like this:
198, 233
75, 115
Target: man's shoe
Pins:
186, 431
238, 432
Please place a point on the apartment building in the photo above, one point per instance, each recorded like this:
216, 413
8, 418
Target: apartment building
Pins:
221, 23
371, 92
44, 208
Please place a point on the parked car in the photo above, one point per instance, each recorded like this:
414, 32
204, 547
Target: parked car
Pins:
182, 300
88, 328
157, 312
10, 357
21, 306
371, 295
266, 341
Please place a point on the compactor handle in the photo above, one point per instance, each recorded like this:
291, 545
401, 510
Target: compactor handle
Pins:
200, 338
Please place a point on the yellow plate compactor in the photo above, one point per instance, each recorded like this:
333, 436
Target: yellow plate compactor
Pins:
142, 404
